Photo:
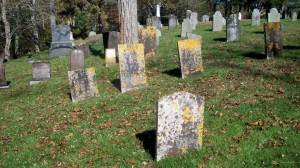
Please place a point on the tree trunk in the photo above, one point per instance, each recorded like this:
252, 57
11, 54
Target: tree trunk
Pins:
52, 13
7, 30
35, 32
128, 21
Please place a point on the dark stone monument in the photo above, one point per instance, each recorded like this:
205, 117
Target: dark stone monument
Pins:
83, 84
76, 59
273, 40
233, 28
40, 71
148, 39
190, 57
132, 67
61, 44
85, 49
156, 22
3, 82
180, 119
172, 22
111, 40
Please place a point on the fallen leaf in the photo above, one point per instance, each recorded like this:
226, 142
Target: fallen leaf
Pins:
132, 161
275, 163
70, 135
200, 165
3, 127
38, 146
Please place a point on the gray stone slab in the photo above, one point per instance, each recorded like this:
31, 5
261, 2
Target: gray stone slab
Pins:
255, 20
186, 27
204, 18
294, 16
180, 119
3, 81
194, 19
217, 21
85, 49
273, 40
172, 22
156, 22
273, 15
61, 33
233, 28
40, 71
132, 67
148, 38
83, 84
158, 34
76, 59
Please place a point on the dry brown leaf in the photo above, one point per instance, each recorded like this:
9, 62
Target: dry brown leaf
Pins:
200, 166
132, 161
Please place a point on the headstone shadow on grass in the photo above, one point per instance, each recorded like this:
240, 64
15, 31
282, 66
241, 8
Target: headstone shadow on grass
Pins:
255, 55
97, 53
176, 72
289, 47
148, 139
220, 39
117, 83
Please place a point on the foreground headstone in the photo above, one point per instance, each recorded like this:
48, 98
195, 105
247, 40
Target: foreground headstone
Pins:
3, 82
148, 39
110, 57
273, 16
294, 16
233, 28
76, 59
156, 22
85, 49
172, 22
132, 67
83, 84
111, 40
186, 27
217, 21
205, 18
273, 39
61, 44
194, 19
255, 17
190, 57
40, 72
180, 119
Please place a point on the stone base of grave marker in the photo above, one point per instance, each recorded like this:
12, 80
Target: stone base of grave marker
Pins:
60, 49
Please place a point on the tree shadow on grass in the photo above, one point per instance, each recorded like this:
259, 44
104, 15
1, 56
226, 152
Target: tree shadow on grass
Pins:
258, 32
97, 53
255, 55
148, 139
174, 72
117, 83
220, 39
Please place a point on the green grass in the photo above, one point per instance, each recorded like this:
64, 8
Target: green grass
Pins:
252, 108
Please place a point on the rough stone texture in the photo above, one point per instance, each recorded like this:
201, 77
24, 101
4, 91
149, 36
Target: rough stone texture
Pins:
194, 19
294, 16
83, 84
40, 70
217, 21
273, 16
180, 120
61, 44
158, 34
132, 67
3, 81
273, 40
172, 22
186, 27
148, 39
110, 57
255, 17
188, 14
76, 59
86, 50
190, 57
205, 18
111, 40
233, 28
156, 22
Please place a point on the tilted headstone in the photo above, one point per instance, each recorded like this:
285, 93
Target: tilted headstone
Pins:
180, 119
40, 71
83, 84
148, 39
156, 22
188, 14
217, 21
255, 17
76, 59
294, 16
132, 67
61, 44
92, 33
111, 40
172, 22
158, 34
85, 49
233, 28
273, 40
240, 16
190, 57
194, 19
157, 10
3, 82
273, 16
110, 57
186, 27
205, 18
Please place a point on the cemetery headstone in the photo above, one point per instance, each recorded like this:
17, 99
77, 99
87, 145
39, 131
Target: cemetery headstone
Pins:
172, 22
3, 82
190, 57
111, 40
158, 34
40, 72
110, 57
148, 38
217, 21
186, 27
157, 10
255, 17
240, 16
205, 18
156, 22
194, 36
132, 67
85, 49
92, 33
61, 44
294, 16
77, 59
273, 40
180, 119
273, 16
188, 14
233, 28
194, 19
149, 22
224, 22
83, 84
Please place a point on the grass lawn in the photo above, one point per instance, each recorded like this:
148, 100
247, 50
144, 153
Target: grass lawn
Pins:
252, 108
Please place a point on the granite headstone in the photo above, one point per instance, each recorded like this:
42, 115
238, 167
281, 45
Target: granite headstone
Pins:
255, 17
233, 28
273, 15
194, 19
186, 27
111, 40
61, 44
294, 16
217, 21
148, 39
273, 40
40, 71
156, 22
76, 59
172, 22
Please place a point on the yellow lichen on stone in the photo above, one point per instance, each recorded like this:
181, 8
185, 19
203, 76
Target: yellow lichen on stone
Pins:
270, 46
189, 44
187, 115
175, 105
200, 129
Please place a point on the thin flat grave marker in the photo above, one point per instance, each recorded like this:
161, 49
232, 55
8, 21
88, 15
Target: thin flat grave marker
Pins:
3, 83
233, 28
148, 39
132, 67
190, 57
110, 57
180, 119
76, 59
273, 40
83, 84
273, 15
40, 72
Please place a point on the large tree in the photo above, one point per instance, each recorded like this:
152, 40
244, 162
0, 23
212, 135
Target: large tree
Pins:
7, 34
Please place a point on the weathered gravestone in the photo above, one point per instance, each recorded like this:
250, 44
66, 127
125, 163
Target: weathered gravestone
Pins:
240, 16
61, 44
76, 59
40, 71
205, 18
132, 67
111, 40
294, 16
149, 22
158, 34
273, 16
186, 27
233, 28
194, 19
83, 84
188, 14
255, 17
190, 57
273, 40
194, 36
172, 22
85, 49
180, 119
3, 82
92, 33
110, 57
156, 22
148, 39
217, 21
